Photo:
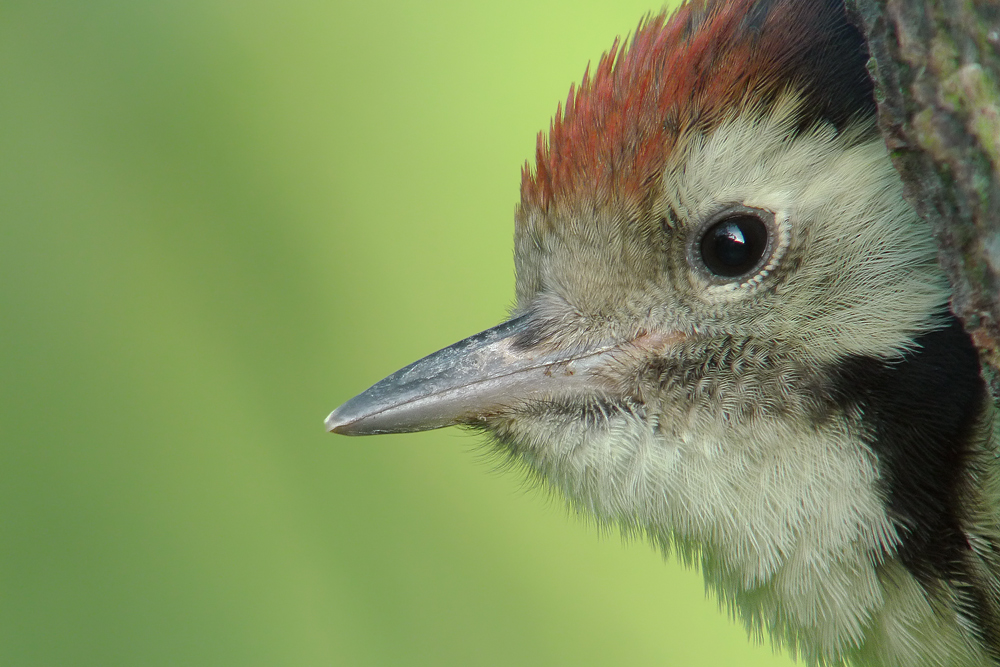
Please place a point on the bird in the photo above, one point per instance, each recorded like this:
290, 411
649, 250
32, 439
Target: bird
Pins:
732, 337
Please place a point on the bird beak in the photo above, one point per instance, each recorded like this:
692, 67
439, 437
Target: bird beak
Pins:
474, 378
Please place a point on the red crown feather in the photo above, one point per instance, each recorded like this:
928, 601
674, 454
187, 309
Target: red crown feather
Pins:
683, 72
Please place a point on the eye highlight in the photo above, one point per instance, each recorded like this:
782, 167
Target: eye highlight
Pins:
733, 244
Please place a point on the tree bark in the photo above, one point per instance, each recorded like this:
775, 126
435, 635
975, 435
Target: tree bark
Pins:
936, 67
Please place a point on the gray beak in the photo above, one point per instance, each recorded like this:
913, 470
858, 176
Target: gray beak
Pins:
484, 374
467, 381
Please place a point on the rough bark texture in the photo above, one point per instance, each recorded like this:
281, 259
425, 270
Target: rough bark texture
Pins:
936, 66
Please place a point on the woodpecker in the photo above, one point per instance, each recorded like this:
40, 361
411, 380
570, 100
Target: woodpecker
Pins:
731, 336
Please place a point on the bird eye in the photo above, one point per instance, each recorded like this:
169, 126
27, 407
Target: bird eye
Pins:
734, 245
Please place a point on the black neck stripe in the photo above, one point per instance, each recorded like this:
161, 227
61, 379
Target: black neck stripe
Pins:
920, 417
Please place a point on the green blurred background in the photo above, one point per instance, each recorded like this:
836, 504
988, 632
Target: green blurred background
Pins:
219, 220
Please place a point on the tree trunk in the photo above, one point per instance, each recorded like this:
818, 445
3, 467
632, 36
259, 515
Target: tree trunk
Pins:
936, 66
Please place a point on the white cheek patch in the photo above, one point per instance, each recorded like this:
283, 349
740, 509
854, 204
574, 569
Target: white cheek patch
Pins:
865, 278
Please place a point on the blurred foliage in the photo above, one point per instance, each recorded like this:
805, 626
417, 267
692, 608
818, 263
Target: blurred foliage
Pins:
218, 220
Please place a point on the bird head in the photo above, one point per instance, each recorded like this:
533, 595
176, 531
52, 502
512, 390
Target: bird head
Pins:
716, 273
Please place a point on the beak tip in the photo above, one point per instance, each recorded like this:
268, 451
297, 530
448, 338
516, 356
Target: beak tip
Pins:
334, 423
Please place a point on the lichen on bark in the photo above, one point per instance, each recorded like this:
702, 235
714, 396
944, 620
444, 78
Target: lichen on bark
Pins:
936, 67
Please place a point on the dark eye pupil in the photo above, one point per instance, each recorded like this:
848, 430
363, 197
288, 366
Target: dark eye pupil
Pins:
734, 246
